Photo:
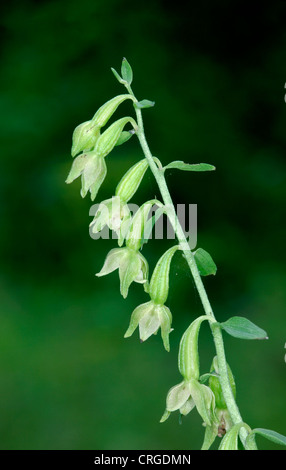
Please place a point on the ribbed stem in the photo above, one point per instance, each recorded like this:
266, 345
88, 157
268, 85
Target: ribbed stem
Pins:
216, 331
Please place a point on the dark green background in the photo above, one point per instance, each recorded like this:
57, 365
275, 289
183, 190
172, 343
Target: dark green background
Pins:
216, 72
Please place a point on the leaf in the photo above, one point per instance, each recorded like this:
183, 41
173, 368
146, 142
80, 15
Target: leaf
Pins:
179, 165
126, 71
145, 104
205, 263
117, 76
241, 327
124, 137
268, 434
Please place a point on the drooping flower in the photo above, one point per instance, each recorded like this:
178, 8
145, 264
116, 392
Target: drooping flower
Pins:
92, 169
132, 266
150, 317
187, 395
113, 213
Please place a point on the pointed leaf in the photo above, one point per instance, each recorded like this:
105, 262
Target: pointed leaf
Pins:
145, 104
117, 76
268, 434
179, 165
124, 137
205, 263
241, 327
126, 71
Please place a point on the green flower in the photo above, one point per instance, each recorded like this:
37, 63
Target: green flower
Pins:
113, 213
187, 395
132, 266
92, 169
150, 317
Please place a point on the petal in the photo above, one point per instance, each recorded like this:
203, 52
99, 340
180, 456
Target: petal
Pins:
100, 176
165, 416
93, 175
112, 261
165, 318
115, 216
204, 400
129, 269
137, 314
144, 268
149, 324
77, 167
177, 396
101, 217
187, 407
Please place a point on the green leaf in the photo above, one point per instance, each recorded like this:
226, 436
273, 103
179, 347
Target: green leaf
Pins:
117, 76
205, 263
124, 137
179, 165
241, 327
268, 434
145, 104
126, 71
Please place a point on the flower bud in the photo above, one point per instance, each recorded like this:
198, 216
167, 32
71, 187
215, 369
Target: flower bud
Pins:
159, 284
130, 182
150, 317
84, 137
105, 112
215, 385
138, 222
188, 351
135, 235
131, 264
106, 142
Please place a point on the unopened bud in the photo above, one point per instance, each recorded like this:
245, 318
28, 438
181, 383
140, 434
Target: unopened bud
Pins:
108, 139
138, 222
130, 182
159, 284
188, 362
105, 112
215, 385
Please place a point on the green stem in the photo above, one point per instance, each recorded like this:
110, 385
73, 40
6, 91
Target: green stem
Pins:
216, 331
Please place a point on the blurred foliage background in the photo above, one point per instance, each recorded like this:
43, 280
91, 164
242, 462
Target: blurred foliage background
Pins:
216, 72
